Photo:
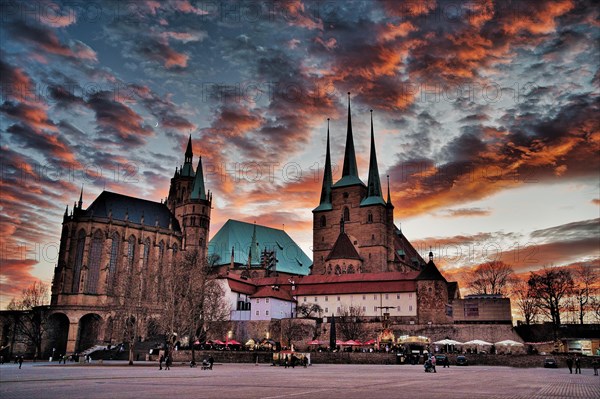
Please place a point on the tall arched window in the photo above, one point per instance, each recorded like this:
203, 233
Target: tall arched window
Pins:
159, 281
94, 262
130, 252
323, 221
115, 252
145, 270
346, 214
370, 217
175, 249
78, 260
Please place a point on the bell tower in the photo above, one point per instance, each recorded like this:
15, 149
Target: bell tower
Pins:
191, 204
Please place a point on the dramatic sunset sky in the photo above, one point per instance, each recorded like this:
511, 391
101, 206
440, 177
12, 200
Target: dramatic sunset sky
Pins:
486, 117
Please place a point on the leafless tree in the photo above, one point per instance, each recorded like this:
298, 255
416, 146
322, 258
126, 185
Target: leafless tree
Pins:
490, 278
584, 277
32, 323
193, 301
551, 287
349, 322
132, 307
527, 303
309, 310
293, 330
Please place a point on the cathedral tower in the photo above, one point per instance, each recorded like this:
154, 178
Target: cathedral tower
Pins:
191, 204
362, 210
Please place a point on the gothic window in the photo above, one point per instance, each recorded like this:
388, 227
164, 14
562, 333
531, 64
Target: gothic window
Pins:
193, 221
346, 214
350, 269
144, 275
323, 221
201, 242
175, 249
94, 262
78, 260
115, 250
370, 217
161, 255
63, 241
146, 253
329, 269
338, 270
130, 253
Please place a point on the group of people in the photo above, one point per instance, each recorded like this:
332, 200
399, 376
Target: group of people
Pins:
166, 360
577, 362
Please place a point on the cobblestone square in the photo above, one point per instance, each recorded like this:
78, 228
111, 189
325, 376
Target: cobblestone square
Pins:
247, 381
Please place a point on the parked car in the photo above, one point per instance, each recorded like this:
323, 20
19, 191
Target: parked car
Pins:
550, 362
440, 360
462, 361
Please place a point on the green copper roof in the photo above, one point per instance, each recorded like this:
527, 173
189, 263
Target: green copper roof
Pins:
236, 234
323, 207
187, 169
373, 184
198, 191
325, 203
349, 170
372, 201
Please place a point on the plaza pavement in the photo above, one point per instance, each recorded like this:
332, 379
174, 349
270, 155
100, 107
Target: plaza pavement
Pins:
116, 380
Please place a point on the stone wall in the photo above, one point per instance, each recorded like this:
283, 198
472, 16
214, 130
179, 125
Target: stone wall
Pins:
524, 361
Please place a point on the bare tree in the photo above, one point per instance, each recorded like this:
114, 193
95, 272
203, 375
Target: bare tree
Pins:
585, 276
309, 310
595, 308
32, 323
193, 301
490, 278
527, 303
293, 330
349, 322
551, 287
132, 307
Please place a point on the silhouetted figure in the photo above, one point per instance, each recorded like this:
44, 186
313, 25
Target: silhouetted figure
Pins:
570, 364
20, 361
161, 359
577, 365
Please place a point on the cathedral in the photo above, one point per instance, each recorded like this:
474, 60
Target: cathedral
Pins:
360, 258
118, 243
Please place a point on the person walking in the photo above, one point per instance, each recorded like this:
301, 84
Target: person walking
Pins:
167, 362
570, 364
577, 365
161, 359
20, 361
211, 361
595, 365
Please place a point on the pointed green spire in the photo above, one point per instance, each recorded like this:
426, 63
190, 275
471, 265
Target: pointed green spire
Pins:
187, 169
80, 203
188, 152
253, 258
374, 195
389, 197
198, 191
325, 203
349, 170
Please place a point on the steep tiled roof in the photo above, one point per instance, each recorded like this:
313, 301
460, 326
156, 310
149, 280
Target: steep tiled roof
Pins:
330, 284
123, 206
291, 258
343, 249
403, 247
430, 272
269, 292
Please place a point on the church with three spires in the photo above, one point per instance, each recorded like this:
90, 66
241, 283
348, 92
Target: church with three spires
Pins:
360, 258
